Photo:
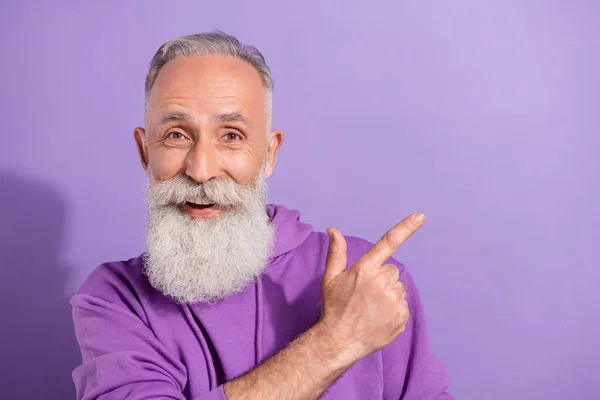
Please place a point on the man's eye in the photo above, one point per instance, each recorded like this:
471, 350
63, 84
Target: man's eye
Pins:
232, 136
175, 135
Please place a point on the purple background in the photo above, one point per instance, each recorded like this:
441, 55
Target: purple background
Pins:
484, 115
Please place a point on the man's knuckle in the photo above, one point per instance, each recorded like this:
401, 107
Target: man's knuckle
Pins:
390, 269
361, 271
405, 313
411, 227
390, 240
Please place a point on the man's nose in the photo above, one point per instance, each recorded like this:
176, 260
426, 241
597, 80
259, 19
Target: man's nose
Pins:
202, 162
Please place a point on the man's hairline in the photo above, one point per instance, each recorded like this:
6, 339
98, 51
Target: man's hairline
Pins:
268, 92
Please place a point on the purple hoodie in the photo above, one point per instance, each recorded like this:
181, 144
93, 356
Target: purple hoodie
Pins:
138, 344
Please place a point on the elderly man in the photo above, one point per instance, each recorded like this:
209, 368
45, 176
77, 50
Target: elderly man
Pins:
235, 298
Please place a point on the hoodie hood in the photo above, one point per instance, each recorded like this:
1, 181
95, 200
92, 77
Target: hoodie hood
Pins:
289, 231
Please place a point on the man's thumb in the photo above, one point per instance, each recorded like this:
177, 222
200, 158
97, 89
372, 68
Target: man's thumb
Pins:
336, 255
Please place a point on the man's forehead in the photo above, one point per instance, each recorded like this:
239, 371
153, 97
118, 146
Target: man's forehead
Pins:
207, 75
222, 88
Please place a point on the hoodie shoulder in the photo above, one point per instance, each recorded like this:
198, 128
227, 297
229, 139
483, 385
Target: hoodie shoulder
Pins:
122, 283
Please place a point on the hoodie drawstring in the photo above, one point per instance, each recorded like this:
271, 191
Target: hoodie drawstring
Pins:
212, 373
258, 329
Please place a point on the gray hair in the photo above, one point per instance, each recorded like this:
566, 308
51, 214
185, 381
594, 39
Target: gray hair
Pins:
212, 43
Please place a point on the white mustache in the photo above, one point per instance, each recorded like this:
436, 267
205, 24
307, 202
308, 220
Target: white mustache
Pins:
223, 191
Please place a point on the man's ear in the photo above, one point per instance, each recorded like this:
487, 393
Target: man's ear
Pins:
275, 141
139, 134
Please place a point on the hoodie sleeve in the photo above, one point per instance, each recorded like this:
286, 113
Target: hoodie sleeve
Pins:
411, 369
122, 358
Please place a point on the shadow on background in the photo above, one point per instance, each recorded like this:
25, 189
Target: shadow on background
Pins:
38, 350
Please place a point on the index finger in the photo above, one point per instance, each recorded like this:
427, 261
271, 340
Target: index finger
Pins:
393, 239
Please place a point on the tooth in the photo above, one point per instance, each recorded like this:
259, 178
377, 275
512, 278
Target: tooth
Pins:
202, 202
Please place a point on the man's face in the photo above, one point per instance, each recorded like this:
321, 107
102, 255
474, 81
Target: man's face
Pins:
208, 154
207, 118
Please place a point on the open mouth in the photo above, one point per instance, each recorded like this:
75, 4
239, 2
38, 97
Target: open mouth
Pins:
201, 208
196, 206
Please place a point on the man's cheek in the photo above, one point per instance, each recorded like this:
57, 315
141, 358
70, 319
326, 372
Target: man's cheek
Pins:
167, 166
242, 169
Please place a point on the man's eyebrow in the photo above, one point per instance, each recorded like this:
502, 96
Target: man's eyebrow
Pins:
232, 117
173, 117
176, 116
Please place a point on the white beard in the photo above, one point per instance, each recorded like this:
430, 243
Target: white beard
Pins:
206, 259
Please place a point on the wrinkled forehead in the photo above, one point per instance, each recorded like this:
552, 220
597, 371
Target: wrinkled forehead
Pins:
205, 86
